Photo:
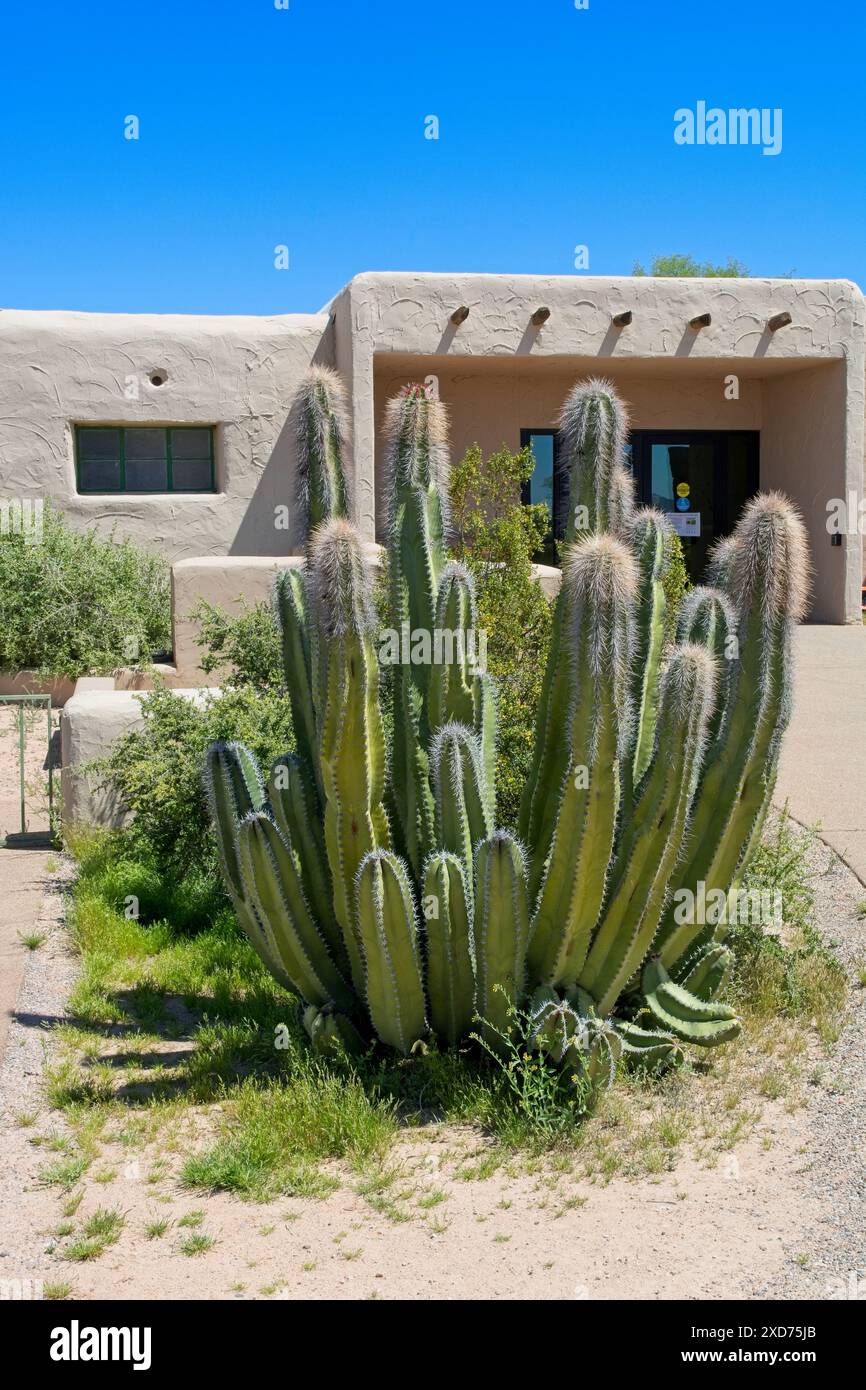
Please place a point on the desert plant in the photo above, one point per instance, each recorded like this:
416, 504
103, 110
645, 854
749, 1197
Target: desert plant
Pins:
73, 603
650, 775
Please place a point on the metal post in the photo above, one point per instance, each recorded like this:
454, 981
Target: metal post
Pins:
21, 764
50, 773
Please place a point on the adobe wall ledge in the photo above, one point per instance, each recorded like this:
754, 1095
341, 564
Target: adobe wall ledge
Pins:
94, 717
229, 582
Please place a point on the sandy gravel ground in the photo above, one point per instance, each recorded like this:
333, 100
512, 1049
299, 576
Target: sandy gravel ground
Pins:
779, 1216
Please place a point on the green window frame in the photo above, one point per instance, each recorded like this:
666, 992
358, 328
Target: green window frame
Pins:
171, 456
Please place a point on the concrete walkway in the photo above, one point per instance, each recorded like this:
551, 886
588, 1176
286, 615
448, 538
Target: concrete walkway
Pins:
23, 876
823, 768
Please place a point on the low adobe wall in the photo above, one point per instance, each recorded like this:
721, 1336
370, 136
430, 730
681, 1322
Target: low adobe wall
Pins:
93, 719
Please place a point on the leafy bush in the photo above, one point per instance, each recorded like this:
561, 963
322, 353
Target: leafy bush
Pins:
248, 643
157, 769
496, 536
73, 604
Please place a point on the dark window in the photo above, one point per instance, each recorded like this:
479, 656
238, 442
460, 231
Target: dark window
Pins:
546, 486
141, 458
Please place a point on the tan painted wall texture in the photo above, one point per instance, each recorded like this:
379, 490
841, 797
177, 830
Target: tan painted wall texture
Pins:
239, 374
803, 387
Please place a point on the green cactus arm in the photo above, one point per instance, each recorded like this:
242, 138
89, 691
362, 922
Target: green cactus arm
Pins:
290, 609
705, 972
652, 842
416, 465
460, 795
233, 788
450, 947
295, 808
568, 889
766, 571
351, 735
593, 429
707, 618
486, 698
501, 930
647, 535
571, 893
549, 762
385, 912
332, 1033
410, 796
451, 691
353, 769
704, 1024
322, 426
273, 883
646, 1047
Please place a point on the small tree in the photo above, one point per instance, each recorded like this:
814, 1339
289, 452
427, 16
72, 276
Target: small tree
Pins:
497, 537
678, 265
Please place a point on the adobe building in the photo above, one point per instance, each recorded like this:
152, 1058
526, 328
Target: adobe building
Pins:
176, 430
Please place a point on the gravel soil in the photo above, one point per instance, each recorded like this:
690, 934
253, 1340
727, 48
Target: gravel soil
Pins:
781, 1217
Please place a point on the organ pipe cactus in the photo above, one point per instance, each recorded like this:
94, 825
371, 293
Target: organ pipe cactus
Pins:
647, 533
371, 876
322, 438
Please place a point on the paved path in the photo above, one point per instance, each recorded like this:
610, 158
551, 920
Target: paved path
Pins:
22, 869
823, 768
22, 887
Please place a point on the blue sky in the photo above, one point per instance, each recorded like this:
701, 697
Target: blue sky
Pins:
262, 127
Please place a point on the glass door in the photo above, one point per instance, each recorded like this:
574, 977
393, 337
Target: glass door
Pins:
702, 479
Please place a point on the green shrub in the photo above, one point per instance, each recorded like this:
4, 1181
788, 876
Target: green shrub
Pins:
73, 604
496, 536
157, 769
248, 644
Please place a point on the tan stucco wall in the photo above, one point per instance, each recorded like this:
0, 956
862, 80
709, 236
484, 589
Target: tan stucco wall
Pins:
237, 373
491, 410
801, 445
404, 320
